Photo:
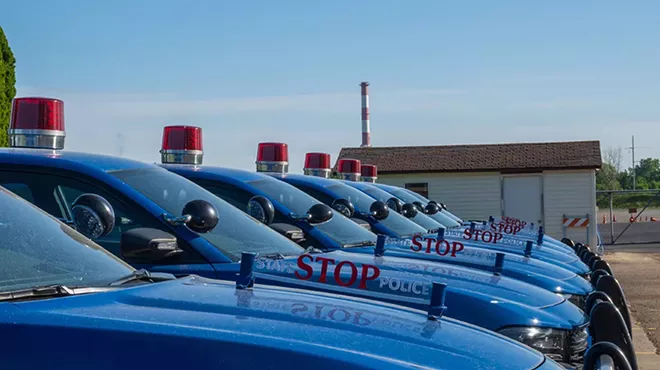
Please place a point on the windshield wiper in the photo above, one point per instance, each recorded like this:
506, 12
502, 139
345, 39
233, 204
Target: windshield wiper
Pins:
142, 275
41, 292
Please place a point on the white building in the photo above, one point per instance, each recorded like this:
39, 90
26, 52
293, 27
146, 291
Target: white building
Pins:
536, 182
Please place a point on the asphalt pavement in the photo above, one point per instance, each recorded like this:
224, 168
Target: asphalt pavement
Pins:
627, 233
638, 272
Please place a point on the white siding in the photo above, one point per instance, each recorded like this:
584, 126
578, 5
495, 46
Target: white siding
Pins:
468, 195
478, 195
571, 193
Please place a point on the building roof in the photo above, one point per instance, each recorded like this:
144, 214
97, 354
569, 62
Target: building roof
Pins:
521, 157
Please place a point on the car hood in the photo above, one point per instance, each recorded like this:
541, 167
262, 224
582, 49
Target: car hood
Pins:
499, 300
536, 272
200, 323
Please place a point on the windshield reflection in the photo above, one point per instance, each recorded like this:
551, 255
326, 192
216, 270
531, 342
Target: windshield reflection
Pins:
236, 231
340, 229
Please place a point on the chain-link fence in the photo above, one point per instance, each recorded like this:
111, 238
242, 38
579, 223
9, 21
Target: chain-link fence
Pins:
628, 216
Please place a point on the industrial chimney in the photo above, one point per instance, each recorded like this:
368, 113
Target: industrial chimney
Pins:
366, 131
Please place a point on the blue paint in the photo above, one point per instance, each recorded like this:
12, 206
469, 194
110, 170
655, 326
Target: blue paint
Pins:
437, 306
379, 251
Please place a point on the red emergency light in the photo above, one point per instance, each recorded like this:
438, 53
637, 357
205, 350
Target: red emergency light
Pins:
317, 164
349, 169
368, 172
37, 123
273, 157
182, 145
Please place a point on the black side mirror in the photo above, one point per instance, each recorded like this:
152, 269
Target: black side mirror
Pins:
395, 204
419, 206
262, 209
443, 206
145, 244
379, 210
409, 210
343, 206
319, 213
203, 216
431, 208
93, 216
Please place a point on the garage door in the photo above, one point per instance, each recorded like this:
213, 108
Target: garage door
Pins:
522, 197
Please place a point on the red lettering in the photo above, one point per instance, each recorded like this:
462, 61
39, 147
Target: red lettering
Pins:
353, 277
490, 236
493, 227
304, 266
437, 247
416, 244
498, 236
467, 234
324, 267
429, 241
508, 229
524, 223
476, 234
516, 230
456, 247
365, 275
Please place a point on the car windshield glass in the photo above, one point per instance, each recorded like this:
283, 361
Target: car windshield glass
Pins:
38, 250
361, 201
426, 201
236, 231
441, 217
420, 218
340, 229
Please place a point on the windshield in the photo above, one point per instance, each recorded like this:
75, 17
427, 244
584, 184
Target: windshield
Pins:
236, 231
38, 250
361, 201
441, 217
340, 229
420, 218
426, 201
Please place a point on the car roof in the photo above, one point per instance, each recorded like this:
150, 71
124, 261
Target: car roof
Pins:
69, 159
209, 172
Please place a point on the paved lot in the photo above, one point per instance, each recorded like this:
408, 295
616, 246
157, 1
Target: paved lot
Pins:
639, 274
638, 232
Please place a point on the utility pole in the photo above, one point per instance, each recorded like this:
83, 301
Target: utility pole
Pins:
632, 149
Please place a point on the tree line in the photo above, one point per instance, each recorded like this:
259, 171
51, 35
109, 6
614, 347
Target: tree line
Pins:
645, 175
7, 86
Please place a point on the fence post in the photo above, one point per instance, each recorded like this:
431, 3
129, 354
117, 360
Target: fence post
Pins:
611, 220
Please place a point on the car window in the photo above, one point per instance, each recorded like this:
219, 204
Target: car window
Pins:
21, 190
236, 231
56, 195
37, 250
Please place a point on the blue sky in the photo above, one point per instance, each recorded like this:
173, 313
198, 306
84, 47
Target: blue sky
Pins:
441, 72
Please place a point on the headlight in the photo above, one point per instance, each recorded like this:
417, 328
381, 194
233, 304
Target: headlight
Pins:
577, 300
550, 342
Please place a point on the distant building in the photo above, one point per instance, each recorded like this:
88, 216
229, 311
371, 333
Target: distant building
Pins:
537, 182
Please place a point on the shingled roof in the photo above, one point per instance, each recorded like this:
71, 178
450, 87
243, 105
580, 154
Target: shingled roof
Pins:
522, 157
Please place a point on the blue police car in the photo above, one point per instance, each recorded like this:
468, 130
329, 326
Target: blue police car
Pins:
149, 233
65, 302
241, 189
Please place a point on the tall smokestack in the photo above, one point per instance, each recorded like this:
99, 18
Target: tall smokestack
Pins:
366, 130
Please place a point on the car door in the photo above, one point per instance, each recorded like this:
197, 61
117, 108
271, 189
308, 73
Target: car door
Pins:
55, 193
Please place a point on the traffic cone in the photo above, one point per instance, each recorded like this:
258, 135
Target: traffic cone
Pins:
604, 220
613, 218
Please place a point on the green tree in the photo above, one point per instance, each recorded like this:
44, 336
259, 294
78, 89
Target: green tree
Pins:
7, 85
607, 178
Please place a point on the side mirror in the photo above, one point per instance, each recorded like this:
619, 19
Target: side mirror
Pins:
431, 208
145, 244
395, 204
343, 206
203, 216
262, 209
409, 210
379, 210
443, 206
319, 213
419, 206
93, 216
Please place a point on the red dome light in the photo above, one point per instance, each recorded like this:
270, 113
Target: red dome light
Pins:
182, 144
369, 170
272, 157
317, 164
37, 123
348, 166
317, 161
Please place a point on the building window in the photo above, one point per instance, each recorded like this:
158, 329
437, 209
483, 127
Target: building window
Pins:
421, 188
